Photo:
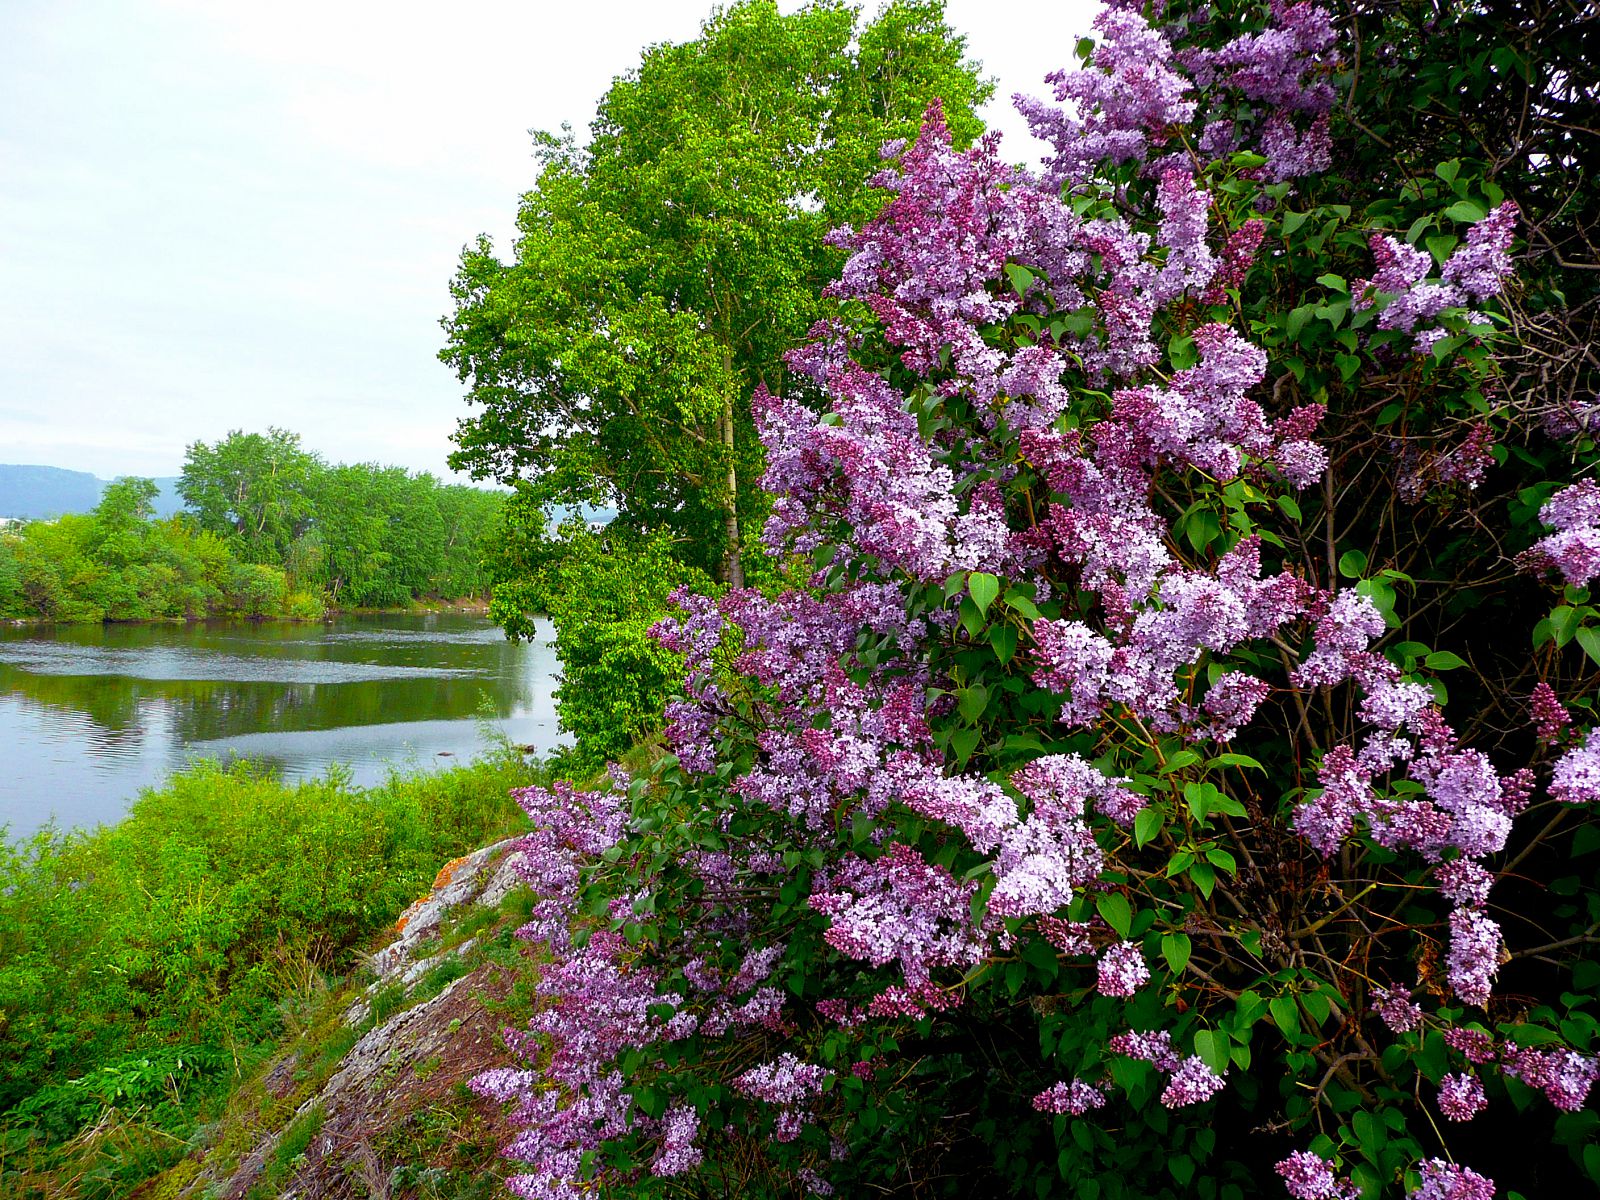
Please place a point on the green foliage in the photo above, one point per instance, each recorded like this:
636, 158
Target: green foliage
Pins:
254, 489
119, 564
365, 535
605, 594
139, 962
273, 532
662, 270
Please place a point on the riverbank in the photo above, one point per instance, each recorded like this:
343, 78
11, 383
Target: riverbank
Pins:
471, 606
148, 968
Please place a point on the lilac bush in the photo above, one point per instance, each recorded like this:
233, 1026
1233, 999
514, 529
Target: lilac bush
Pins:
1089, 811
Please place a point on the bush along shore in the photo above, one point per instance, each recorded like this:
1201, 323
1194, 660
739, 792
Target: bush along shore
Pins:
154, 973
270, 531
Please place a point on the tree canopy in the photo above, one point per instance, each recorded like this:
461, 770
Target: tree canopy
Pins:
662, 269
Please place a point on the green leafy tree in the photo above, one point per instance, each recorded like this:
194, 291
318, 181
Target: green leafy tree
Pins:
662, 270
254, 489
615, 677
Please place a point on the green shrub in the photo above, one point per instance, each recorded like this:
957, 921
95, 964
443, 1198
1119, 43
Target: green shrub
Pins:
166, 936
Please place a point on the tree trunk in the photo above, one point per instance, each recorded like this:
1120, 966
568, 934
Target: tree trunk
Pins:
732, 567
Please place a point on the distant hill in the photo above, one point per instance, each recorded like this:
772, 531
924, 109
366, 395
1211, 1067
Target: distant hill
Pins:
37, 492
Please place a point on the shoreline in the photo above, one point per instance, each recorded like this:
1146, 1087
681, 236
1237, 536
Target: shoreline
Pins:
468, 606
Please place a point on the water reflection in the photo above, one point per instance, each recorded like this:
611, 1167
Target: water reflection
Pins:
89, 714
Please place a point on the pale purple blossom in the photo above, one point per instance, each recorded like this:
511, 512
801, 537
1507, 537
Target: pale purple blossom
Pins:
1550, 716
785, 1080
1461, 1096
1396, 1009
677, 1152
1574, 549
1191, 1083
1153, 1048
1308, 1176
1441, 1180
1474, 955
1577, 773
1564, 1076
1463, 882
1122, 970
1473, 1044
900, 908
1480, 265
1076, 1098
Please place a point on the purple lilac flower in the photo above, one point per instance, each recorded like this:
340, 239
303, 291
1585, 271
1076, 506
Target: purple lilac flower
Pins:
1399, 268
1474, 956
1443, 1180
786, 1080
1232, 701
1550, 716
1327, 819
1069, 937
1564, 1076
1461, 1096
1343, 634
1480, 266
1466, 464
1414, 303
1475, 1045
1396, 1009
1191, 1083
1464, 883
1122, 970
900, 907
690, 731
1307, 1176
1075, 1098
1574, 549
1238, 253
1130, 95
677, 1152
1577, 773
1050, 855
1153, 1048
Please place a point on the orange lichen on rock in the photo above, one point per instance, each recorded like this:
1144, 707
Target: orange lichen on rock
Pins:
439, 881
446, 871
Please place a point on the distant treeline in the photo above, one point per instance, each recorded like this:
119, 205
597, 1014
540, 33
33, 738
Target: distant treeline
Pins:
270, 529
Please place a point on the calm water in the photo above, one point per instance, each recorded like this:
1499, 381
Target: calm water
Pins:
91, 714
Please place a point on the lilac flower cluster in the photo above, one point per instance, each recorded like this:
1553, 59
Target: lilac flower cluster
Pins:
1441, 1180
1190, 1080
825, 692
568, 827
900, 908
1396, 1009
1122, 970
1414, 303
1191, 1083
791, 1085
1550, 716
1461, 1096
1574, 549
1267, 91
1309, 1177
1564, 1076
1076, 1098
1474, 1045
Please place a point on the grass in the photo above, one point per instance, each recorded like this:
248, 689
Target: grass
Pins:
152, 970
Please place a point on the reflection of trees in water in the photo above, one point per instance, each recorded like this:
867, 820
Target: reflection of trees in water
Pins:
202, 710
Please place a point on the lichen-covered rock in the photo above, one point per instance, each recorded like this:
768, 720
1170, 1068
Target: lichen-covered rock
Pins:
410, 1058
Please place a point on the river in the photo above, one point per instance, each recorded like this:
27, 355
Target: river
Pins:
90, 714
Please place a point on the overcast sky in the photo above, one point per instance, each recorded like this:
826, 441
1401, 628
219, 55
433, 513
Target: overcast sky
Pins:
228, 215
